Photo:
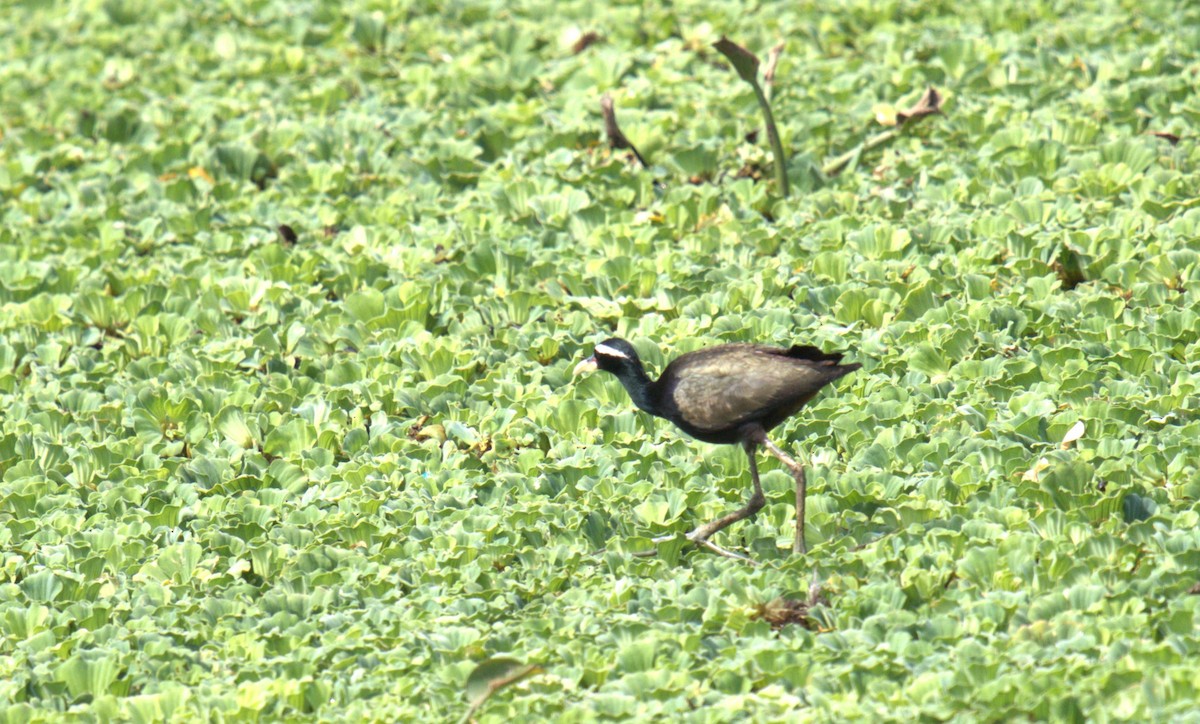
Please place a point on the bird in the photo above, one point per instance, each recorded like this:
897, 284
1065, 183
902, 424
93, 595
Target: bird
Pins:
729, 394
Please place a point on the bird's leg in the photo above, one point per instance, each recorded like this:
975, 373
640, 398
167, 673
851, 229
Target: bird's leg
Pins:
700, 535
755, 504
798, 545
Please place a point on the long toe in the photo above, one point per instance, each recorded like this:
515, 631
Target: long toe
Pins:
700, 542
726, 552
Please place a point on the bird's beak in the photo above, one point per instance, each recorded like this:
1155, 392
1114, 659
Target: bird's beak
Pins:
588, 365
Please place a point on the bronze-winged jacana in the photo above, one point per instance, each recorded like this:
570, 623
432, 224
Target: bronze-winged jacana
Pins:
729, 394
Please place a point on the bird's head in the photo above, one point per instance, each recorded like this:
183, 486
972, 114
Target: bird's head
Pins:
612, 355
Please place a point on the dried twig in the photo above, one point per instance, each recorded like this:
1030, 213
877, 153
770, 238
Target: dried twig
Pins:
769, 70
929, 104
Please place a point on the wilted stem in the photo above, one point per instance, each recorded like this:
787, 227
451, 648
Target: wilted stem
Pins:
746, 65
773, 138
835, 166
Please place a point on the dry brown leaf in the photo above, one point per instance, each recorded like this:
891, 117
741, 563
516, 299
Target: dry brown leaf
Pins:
1170, 138
585, 41
744, 62
616, 138
772, 61
929, 104
783, 611
287, 234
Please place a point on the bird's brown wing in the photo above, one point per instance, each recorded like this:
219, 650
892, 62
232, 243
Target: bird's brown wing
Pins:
724, 391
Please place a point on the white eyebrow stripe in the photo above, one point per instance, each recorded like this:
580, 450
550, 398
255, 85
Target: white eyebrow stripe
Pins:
607, 351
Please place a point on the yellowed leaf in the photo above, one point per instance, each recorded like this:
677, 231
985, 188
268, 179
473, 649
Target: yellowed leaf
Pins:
197, 172
885, 114
1076, 432
1032, 474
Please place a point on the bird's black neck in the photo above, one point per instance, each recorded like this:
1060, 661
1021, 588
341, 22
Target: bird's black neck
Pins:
640, 388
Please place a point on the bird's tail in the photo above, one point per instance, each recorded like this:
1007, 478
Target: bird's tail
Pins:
813, 354
823, 359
